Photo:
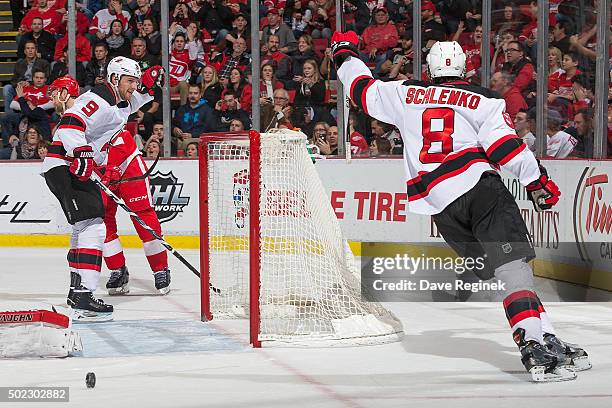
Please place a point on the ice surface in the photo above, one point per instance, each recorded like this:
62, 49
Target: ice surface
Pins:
156, 353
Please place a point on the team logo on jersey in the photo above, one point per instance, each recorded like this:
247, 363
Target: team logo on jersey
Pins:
593, 216
166, 192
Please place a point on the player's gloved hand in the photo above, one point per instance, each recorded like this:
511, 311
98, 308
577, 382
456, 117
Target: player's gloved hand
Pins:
83, 164
111, 175
154, 76
543, 192
344, 45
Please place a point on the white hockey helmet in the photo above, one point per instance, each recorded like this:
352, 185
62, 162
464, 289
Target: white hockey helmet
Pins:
446, 59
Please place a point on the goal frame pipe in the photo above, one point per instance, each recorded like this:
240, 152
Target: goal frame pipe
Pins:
254, 140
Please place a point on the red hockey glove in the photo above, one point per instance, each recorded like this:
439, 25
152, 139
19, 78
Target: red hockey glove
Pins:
111, 174
543, 192
153, 77
344, 45
83, 164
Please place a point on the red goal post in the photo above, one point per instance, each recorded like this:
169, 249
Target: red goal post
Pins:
271, 244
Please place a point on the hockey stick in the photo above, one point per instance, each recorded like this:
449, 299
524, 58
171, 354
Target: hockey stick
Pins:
144, 225
144, 176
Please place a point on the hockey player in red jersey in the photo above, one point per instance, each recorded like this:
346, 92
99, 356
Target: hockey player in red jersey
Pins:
456, 137
88, 123
125, 163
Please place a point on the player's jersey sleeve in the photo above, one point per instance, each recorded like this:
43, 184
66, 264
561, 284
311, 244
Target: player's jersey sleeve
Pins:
138, 100
503, 146
381, 100
71, 131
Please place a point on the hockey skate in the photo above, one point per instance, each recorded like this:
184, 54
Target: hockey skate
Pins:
541, 363
118, 282
85, 306
579, 359
162, 281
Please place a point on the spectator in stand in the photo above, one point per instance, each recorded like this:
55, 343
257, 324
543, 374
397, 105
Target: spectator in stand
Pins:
319, 133
118, 44
150, 32
268, 84
191, 150
236, 125
472, 52
181, 63
82, 24
224, 62
27, 146
518, 65
328, 146
82, 45
584, 93
215, 16
192, 119
211, 87
141, 55
45, 41
523, 129
310, 87
432, 31
382, 130
195, 46
399, 65
559, 144
305, 51
240, 29
277, 113
143, 10
380, 147
30, 104
239, 85
227, 109
43, 149
95, 72
359, 145
323, 21
158, 136
181, 17
23, 70
561, 32
378, 39
502, 83
101, 23
153, 149
276, 27
280, 61
60, 69
502, 42
554, 68
50, 17
584, 133
510, 18
300, 18
564, 83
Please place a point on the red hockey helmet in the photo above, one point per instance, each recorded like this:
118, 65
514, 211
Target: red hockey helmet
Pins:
67, 82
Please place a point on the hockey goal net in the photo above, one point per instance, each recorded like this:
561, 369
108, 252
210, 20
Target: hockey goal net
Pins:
271, 247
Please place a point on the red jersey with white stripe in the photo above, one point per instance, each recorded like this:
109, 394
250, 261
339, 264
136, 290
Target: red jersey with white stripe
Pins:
94, 119
452, 134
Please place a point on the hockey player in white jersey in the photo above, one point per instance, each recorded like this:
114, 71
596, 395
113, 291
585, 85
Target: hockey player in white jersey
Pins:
456, 137
88, 123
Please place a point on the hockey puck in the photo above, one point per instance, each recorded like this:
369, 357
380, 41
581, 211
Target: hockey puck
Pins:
90, 380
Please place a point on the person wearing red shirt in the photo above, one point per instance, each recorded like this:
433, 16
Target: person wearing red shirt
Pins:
379, 38
518, 65
125, 162
501, 82
51, 18
279, 60
181, 62
83, 48
471, 49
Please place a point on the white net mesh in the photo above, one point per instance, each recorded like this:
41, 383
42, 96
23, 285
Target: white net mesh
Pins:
310, 289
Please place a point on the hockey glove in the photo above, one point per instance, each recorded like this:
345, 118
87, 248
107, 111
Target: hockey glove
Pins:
344, 45
152, 77
83, 164
111, 175
543, 192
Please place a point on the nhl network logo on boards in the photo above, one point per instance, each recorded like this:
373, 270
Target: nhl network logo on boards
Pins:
166, 193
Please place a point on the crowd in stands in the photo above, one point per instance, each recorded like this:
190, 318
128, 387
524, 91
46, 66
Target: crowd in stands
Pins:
211, 70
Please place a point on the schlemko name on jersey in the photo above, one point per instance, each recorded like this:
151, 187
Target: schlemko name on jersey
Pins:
442, 96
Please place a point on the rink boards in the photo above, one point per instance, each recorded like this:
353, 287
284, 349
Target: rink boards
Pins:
573, 240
